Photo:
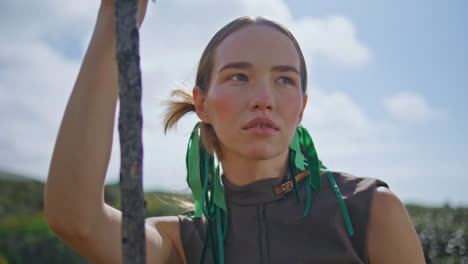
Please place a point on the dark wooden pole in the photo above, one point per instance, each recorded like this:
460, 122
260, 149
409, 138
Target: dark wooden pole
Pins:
130, 124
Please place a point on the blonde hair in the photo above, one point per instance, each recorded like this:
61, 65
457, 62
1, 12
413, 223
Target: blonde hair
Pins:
183, 102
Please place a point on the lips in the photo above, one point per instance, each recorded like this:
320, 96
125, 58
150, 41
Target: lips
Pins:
262, 123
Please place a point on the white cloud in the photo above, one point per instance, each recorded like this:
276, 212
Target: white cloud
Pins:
334, 113
176, 44
34, 86
333, 38
411, 107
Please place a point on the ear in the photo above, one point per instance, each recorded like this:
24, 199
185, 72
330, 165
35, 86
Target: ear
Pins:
200, 107
304, 104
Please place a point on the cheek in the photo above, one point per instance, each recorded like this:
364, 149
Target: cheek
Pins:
223, 104
291, 106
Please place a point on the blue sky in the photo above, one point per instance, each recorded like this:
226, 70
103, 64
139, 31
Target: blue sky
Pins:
387, 84
417, 47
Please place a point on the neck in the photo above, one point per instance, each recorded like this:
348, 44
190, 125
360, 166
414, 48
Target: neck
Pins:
242, 171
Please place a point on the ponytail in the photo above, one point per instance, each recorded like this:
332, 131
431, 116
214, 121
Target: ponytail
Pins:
182, 105
176, 109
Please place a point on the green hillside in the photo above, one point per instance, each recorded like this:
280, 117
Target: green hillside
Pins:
5, 175
24, 234
26, 238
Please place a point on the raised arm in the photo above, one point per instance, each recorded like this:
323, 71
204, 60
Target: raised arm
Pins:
74, 198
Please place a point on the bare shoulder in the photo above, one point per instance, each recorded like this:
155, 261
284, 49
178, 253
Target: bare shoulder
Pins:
166, 224
384, 197
168, 227
391, 235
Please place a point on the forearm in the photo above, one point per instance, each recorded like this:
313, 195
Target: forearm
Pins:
79, 163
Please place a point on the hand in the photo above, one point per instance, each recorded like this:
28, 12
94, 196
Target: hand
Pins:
109, 5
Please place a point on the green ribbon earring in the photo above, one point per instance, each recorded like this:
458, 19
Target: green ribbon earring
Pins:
203, 175
203, 178
303, 151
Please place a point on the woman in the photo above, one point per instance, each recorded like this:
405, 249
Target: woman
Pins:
274, 203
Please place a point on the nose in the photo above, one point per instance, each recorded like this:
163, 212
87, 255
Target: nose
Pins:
261, 97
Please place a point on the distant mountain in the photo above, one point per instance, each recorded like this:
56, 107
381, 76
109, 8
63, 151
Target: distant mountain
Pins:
22, 195
6, 175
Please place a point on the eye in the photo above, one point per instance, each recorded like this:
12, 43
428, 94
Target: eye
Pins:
286, 80
239, 77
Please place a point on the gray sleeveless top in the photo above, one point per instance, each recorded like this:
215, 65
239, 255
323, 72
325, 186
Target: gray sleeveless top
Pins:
264, 227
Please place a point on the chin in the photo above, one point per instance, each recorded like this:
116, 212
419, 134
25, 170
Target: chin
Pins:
261, 153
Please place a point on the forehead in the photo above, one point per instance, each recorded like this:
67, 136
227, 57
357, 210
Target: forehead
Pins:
260, 45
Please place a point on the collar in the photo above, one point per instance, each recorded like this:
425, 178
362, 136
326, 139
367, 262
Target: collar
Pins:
261, 191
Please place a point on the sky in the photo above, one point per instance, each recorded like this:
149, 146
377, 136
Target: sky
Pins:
387, 85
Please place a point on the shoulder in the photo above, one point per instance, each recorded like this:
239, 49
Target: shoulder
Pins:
169, 229
383, 198
384, 217
386, 208
353, 186
390, 230
164, 224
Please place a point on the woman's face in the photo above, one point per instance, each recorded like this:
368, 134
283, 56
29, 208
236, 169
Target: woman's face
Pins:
255, 99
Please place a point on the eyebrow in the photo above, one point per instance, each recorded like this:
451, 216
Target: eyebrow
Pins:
284, 68
247, 65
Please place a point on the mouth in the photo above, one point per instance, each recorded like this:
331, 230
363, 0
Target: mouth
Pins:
261, 127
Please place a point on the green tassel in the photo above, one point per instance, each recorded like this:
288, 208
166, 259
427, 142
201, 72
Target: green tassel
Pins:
220, 237
296, 152
308, 199
203, 178
311, 156
302, 142
220, 201
212, 240
219, 197
344, 210
193, 169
